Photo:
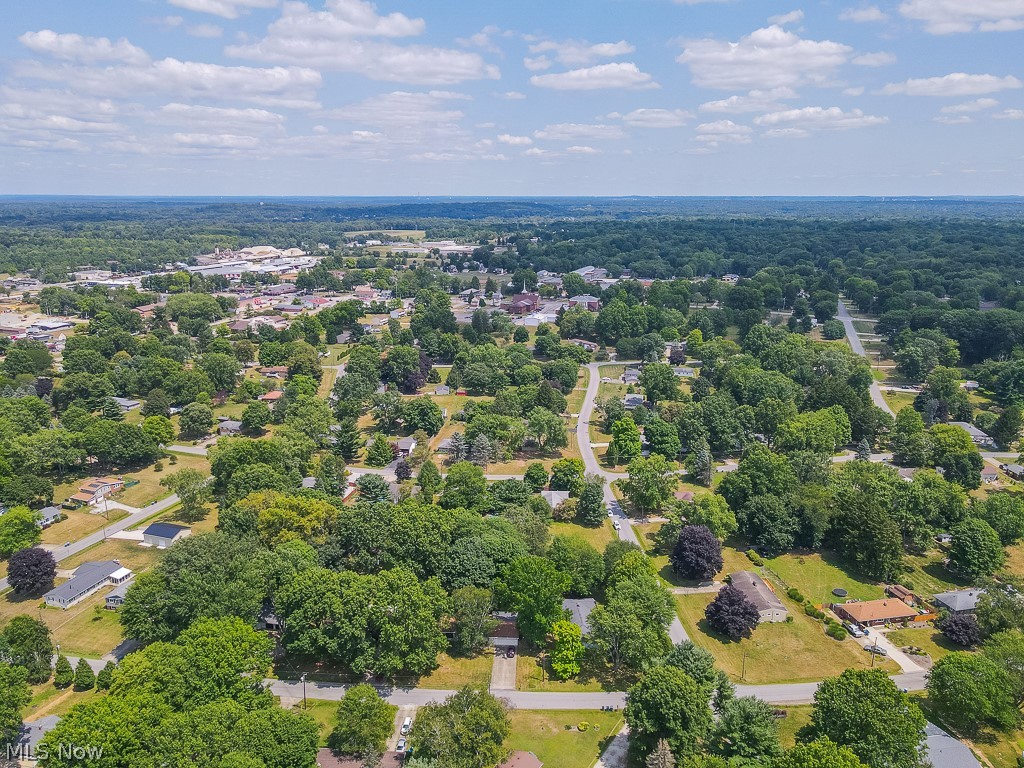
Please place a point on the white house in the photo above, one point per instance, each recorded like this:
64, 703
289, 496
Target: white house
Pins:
88, 578
163, 535
47, 516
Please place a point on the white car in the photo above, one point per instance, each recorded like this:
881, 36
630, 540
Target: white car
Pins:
616, 525
400, 746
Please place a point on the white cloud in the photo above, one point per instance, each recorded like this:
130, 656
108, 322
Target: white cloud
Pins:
86, 50
583, 150
819, 118
854, 91
227, 9
293, 87
513, 96
865, 14
943, 17
878, 59
956, 84
599, 77
205, 30
787, 18
578, 131
1010, 114
342, 38
215, 141
723, 132
977, 105
515, 141
537, 63
771, 57
787, 133
579, 53
755, 101
653, 118
219, 119
958, 120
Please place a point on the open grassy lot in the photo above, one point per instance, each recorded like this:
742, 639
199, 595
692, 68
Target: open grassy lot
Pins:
929, 576
149, 489
597, 537
554, 738
574, 400
80, 523
454, 672
775, 653
898, 400
128, 553
596, 675
816, 575
797, 717
47, 700
324, 712
931, 641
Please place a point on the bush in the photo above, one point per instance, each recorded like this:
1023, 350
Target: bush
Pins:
794, 594
753, 557
789, 619
813, 612
583, 726
158, 467
837, 632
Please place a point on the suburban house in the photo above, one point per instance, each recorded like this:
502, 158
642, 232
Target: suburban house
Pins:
506, 633
684, 372
586, 301
47, 516
95, 490
584, 344
366, 294
272, 396
442, 389
978, 437
115, 598
1016, 471
631, 376
579, 611
633, 401
554, 498
126, 404
521, 759
162, 535
945, 751
730, 279
902, 593
958, 600
405, 445
872, 613
989, 474
229, 427
275, 371
769, 608
88, 578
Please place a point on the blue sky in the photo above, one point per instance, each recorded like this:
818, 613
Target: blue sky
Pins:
596, 97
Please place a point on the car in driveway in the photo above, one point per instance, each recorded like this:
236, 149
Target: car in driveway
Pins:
401, 745
853, 629
876, 649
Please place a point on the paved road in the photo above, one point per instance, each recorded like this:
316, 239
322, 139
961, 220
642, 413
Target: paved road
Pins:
858, 347
135, 516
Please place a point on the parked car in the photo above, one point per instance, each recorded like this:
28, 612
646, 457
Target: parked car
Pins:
853, 629
510, 653
876, 649
400, 746
406, 726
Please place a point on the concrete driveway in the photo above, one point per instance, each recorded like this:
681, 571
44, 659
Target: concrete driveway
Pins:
503, 672
407, 710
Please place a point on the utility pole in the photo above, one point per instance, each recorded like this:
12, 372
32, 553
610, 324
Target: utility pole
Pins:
303, 678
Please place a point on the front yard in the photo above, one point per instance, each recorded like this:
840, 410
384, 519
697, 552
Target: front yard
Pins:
554, 737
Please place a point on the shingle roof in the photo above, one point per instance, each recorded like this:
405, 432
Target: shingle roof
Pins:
164, 530
960, 599
756, 591
944, 751
580, 610
86, 573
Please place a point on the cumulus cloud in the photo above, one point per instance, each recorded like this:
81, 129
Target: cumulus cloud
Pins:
86, 50
977, 105
578, 131
953, 120
205, 30
723, 132
864, 14
583, 150
653, 118
513, 96
219, 119
943, 17
754, 101
227, 9
1010, 114
819, 118
878, 59
955, 84
771, 57
537, 63
345, 37
787, 18
578, 53
515, 141
599, 77
215, 141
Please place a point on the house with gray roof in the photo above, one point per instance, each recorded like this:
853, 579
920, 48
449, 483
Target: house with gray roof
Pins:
944, 751
115, 598
47, 516
554, 498
579, 611
959, 600
754, 588
126, 404
88, 578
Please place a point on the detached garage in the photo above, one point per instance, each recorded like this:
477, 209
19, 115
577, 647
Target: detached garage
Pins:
162, 535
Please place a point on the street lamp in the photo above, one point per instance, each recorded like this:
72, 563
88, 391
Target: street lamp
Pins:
303, 679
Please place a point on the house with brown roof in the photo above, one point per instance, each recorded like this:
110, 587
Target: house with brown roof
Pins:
95, 490
506, 633
522, 304
275, 371
902, 593
872, 613
272, 396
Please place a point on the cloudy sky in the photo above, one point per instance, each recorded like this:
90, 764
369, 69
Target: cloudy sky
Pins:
529, 97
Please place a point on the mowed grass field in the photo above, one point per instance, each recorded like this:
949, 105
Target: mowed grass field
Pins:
786, 652
553, 736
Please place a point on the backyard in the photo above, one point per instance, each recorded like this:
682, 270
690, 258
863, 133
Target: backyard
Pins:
816, 575
597, 537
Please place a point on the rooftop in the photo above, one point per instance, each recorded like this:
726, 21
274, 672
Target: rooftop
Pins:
756, 591
164, 530
960, 599
580, 610
879, 610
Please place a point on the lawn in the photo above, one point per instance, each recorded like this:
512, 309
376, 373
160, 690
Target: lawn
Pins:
149, 489
48, 700
129, 553
816, 575
796, 718
324, 712
597, 537
733, 560
554, 738
84, 629
898, 400
80, 523
931, 641
775, 653
455, 672
574, 400
929, 576
596, 675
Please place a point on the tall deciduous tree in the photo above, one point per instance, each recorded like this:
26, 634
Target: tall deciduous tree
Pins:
566, 649
533, 588
193, 490
364, 722
29, 646
732, 614
697, 553
668, 704
31, 571
467, 730
650, 485
971, 690
14, 697
976, 550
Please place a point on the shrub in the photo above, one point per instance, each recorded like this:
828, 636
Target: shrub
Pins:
789, 619
158, 467
794, 594
813, 612
837, 632
583, 726
753, 557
